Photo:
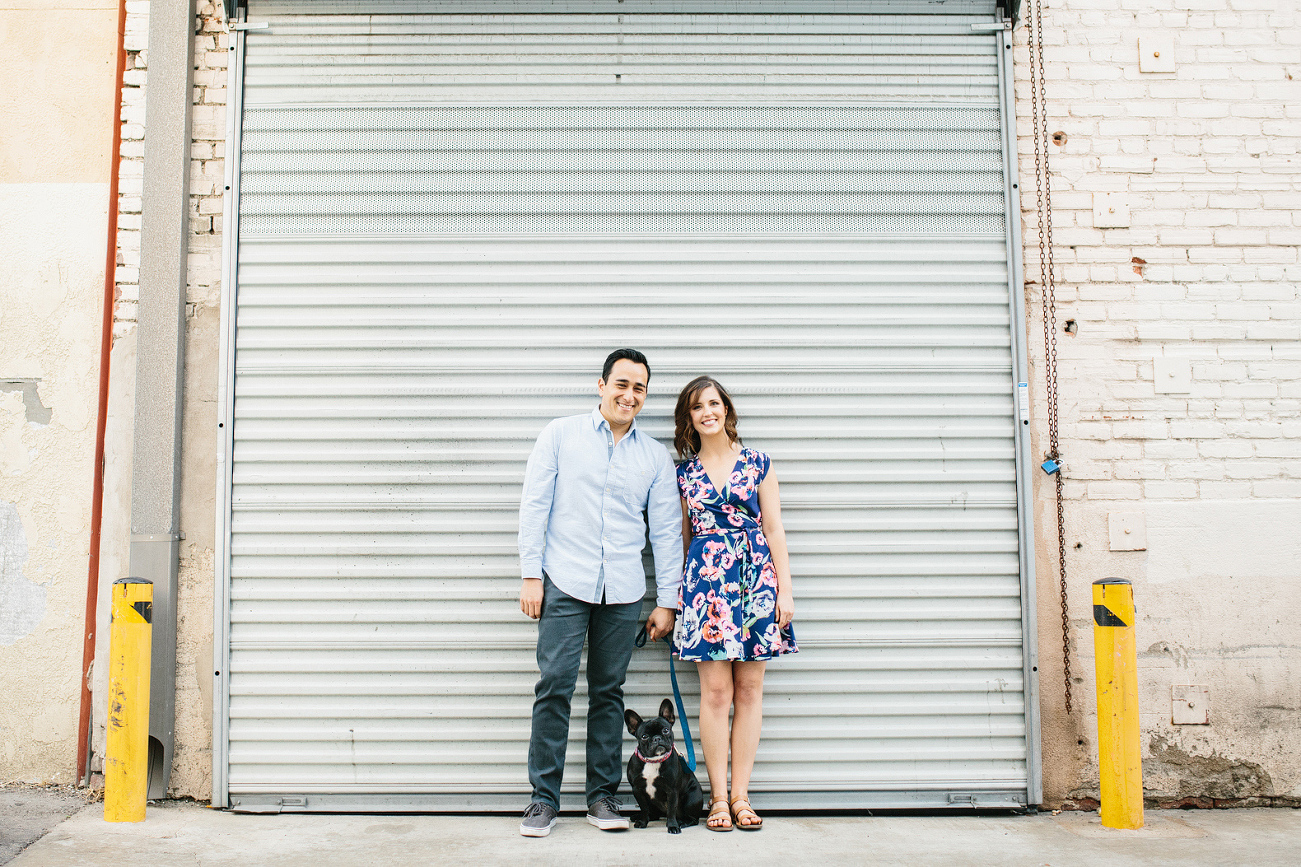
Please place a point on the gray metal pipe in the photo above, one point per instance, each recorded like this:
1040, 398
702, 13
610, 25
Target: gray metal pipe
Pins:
156, 457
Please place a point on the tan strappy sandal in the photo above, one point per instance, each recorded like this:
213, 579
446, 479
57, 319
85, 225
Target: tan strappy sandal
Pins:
719, 808
753, 822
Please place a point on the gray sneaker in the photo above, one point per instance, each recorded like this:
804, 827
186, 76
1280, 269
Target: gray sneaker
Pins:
604, 814
539, 819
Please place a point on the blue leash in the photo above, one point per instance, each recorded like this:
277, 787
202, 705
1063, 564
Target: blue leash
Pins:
677, 697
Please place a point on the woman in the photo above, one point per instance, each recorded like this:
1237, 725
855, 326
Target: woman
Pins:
736, 589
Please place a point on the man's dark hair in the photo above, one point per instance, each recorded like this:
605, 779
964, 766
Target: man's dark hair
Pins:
631, 354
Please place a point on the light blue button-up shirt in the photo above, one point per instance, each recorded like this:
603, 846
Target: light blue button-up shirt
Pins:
580, 515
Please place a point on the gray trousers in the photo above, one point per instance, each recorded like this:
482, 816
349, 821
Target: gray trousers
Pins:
609, 631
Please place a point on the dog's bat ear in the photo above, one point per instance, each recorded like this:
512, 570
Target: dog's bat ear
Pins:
666, 711
633, 721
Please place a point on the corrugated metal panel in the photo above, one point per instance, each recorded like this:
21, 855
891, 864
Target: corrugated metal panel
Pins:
617, 169
893, 55
514, 8
422, 286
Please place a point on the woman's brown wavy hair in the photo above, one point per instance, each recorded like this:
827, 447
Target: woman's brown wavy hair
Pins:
686, 439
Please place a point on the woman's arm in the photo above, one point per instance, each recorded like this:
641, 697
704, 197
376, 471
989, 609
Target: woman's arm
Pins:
770, 505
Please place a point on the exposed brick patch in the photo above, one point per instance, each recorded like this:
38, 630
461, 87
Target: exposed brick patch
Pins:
207, 161
1080, 804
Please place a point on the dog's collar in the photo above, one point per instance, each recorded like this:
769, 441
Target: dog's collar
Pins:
654, 760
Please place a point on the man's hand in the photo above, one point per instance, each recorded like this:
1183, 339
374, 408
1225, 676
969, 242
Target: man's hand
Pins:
530, 597
660, 623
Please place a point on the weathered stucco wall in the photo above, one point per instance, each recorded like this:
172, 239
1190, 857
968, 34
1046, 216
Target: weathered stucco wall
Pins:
1176, 195
54, 169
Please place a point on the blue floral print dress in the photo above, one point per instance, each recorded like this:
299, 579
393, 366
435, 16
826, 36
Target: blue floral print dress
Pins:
728, 600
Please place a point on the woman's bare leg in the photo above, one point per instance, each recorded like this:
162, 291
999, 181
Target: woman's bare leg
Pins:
747, 720
715, 704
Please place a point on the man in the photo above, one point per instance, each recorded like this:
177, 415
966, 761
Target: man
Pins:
580, 540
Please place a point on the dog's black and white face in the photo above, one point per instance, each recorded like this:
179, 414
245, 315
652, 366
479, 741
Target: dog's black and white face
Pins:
654, 736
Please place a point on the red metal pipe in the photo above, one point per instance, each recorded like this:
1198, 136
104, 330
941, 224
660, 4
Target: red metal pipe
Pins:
105, 354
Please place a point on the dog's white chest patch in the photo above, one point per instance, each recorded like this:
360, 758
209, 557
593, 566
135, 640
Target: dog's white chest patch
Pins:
651, 771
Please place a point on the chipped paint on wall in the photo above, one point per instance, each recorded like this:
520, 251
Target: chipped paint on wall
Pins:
1188, 774
37, 412
22, 603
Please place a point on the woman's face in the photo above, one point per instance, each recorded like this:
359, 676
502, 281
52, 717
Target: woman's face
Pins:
708, 412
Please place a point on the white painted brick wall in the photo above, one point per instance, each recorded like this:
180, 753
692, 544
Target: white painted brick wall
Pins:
206, 168
1207, 156
1207, 271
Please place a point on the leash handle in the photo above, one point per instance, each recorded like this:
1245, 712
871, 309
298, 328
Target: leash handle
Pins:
677, 698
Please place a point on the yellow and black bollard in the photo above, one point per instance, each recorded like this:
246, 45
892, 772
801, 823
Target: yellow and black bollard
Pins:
1120, 765
126, 756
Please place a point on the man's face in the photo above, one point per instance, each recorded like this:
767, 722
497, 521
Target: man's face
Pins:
623, 395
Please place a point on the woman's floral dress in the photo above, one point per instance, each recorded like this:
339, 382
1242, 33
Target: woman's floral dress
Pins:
729, 584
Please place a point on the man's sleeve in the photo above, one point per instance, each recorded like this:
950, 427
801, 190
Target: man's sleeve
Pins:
535, 501
665, 512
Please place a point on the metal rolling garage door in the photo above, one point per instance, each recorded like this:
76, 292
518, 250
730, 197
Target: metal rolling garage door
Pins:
449, 213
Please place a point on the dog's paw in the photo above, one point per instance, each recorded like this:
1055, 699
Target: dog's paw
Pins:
639, 823
674, 829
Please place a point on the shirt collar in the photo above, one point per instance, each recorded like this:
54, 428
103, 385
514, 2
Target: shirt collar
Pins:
599, 421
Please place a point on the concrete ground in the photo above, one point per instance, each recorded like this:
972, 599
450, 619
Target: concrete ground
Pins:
185, 833
27, 813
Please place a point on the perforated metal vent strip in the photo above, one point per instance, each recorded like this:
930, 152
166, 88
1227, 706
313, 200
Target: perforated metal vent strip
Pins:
621, 170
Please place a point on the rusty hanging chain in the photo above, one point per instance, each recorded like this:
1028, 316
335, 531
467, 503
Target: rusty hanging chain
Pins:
1044, 207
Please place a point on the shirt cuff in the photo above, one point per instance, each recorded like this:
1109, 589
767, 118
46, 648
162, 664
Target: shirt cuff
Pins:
530, 568
671, 604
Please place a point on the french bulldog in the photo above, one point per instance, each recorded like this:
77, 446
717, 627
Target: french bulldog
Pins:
661, 781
